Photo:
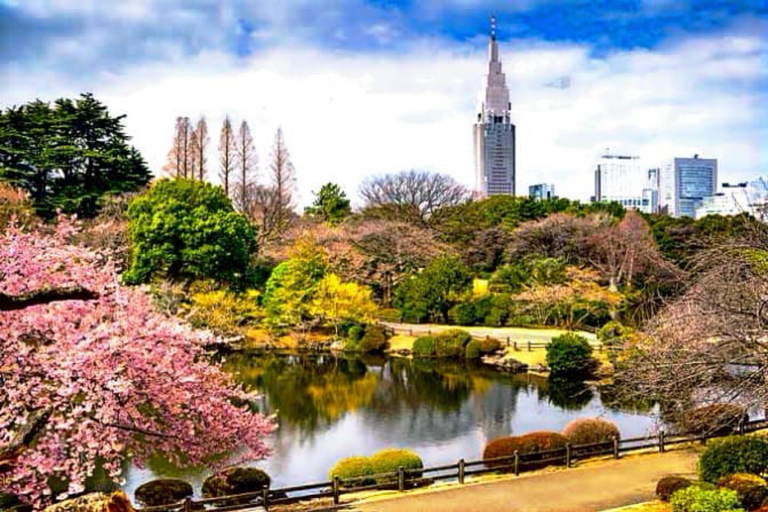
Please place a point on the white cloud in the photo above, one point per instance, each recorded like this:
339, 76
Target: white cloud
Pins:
346, 116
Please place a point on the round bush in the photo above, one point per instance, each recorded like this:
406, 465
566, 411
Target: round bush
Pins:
374, 339
668, 485
590, 430
754, 497
163, 491
390, 459
740, 482
526, 445
356, 332
569, 354
424, 346
451, 343
473, 350
696, 499
352, 467
712, 419
235, 480
490, 345
736, 454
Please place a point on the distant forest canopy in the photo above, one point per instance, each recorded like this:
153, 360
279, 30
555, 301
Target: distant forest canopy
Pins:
418, 243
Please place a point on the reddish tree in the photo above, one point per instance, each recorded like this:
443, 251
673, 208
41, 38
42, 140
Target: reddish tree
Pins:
91, 374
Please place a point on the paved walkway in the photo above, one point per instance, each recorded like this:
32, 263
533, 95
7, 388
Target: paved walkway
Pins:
597, 486
515, 333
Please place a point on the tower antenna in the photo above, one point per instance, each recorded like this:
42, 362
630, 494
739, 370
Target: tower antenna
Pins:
493, 26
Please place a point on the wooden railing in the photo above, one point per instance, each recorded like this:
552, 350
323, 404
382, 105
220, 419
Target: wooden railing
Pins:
403, 479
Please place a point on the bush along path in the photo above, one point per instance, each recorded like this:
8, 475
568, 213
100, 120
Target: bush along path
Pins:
594, 487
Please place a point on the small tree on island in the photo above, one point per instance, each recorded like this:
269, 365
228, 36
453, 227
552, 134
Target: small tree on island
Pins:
92, 376
569, 354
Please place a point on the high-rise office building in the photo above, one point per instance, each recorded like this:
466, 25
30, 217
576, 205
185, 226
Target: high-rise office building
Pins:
733, 199
542, 191
494, 133
627, 180
685, 182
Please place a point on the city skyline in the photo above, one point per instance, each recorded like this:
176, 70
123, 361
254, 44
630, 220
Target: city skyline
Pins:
363, 89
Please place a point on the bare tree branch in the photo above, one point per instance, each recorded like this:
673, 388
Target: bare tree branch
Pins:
44, 296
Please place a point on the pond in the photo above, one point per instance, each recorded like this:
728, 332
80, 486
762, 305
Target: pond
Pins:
332, 407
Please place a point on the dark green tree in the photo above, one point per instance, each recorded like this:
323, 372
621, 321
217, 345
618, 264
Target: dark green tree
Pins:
569, 354
186, 229
430, 294
68, 155
331, 204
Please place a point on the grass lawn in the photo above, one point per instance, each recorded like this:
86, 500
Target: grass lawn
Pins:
401, 342
538, 356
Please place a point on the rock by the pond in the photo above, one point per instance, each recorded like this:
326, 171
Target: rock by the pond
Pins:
163, 491
12, 503
235, 480
94, 502
505, 364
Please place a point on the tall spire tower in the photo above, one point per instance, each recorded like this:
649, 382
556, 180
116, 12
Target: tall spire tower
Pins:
494, 132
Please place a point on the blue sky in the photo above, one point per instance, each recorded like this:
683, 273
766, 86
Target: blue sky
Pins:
658, 78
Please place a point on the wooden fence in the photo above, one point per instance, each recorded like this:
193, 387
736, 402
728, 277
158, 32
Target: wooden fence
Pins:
403, 479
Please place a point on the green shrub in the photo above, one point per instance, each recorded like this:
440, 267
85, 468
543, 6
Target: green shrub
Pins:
754, 497
478, 348
356, 333
490, 345
569, 354
668, 485
614, 334
235, 480
162, 491
711, 419
526, 445
425, 346
352, 467
736, 454
740, 482
498, 313
187, 229
590, 430
390, 459
696, 499
463, 314
374, 340
451, 343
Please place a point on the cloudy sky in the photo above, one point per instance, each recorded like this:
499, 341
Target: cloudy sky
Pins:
362, 87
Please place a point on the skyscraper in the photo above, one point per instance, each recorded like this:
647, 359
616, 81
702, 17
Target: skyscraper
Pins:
494, 133
685, 182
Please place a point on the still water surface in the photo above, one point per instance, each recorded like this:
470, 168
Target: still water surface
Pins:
330, 407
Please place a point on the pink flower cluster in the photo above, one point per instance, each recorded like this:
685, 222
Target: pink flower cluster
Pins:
121, 380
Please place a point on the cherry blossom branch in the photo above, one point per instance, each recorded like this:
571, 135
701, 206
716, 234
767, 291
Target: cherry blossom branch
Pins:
23, 438
44, 296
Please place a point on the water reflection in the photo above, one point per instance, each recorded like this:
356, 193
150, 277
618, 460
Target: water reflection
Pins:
332, 407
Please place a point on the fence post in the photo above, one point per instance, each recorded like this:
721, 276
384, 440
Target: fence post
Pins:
461, 471
410, 332
400, 479
567, 455
742, 426
507, 341
187, 504
515, 345
517, 463
335, 489
429, 332
265, 496
661, 442
529, 345
615, 447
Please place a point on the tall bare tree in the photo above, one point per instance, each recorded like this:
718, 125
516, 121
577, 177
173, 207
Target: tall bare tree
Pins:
422, 190
179, 159
246, 166
274, 207
227, 154
200, 144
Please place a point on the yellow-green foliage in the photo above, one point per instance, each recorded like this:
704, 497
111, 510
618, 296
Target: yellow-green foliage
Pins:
352, 467
479, 287
390, 459
336, 300
223, 311
740, 482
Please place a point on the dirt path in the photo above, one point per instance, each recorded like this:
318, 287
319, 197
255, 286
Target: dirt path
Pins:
515, 333
597, 486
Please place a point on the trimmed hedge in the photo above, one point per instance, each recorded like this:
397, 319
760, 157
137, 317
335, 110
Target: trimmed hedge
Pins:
696, 499
590, 430
735, 454
352, 467
451, 343
424, 346
375, 339
235, 480
527, 444
390, 459
478, 348
668, 485
162, 491
569, 353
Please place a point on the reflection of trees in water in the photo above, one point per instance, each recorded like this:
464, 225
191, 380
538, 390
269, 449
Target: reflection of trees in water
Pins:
567, 394
307, 390
614, 398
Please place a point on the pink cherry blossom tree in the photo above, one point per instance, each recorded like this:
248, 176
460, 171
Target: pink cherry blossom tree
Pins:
91, 374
